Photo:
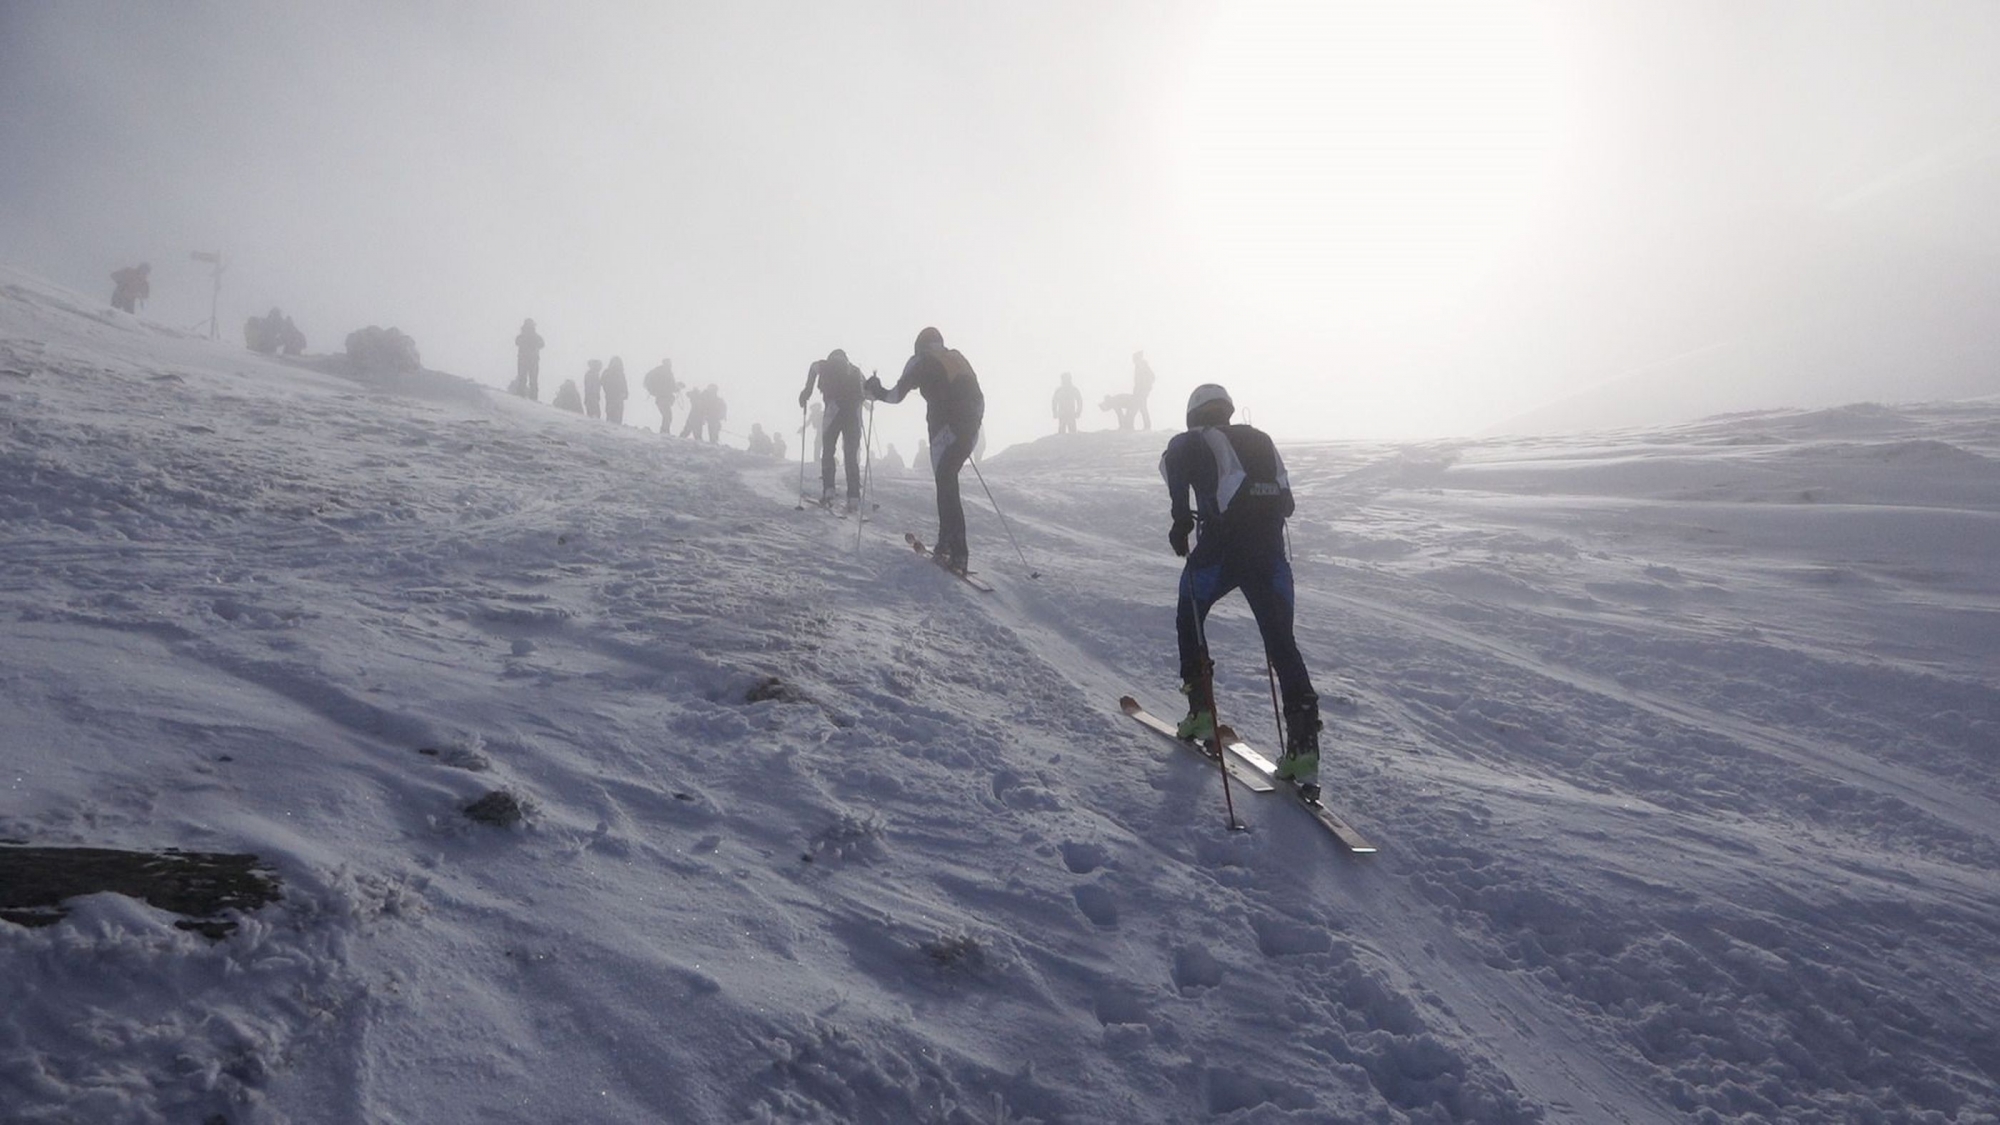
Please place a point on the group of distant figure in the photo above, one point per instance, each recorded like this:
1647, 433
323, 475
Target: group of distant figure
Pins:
605, 389
1127, 406
269, 334
272, 333
130, 286
1230, 470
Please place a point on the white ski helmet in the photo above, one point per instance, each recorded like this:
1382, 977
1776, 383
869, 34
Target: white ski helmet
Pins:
1204, 399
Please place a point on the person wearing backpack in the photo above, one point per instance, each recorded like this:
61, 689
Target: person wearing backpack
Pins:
661, 384
955, 408
1242, 498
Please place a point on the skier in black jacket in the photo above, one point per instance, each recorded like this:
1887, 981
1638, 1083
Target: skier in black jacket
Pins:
954, 410
840, 385
1242, 498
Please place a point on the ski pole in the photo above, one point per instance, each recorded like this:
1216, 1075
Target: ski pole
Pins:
802, 460
1270, 673
1032, 572
1277, 719
1215, 721
865, 472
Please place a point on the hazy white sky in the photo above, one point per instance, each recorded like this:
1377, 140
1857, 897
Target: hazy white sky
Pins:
1392, 219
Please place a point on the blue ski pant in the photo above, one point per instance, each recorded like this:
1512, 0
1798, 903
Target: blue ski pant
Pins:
1265, 577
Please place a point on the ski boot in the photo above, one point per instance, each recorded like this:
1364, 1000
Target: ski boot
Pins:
1300, 762
1199, 724
826, 498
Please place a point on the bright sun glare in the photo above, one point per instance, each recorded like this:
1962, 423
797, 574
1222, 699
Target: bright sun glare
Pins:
1378, 155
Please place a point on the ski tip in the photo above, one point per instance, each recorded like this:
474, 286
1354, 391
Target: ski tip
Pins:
1129, 705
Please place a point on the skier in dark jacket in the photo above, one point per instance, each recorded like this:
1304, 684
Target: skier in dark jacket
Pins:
954, 410
1242, 498
528, 361
840, 387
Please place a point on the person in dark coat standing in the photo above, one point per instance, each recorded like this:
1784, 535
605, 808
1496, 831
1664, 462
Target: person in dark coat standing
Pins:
954, 410
593, 388
1142, 389
1242, 498
840, 388
528, 361
1066, 405
615, 391
714, 413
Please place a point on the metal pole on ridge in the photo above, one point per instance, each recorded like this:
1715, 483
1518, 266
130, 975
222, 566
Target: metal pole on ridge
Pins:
1032, 572
802, 460
866, 473
1271, 674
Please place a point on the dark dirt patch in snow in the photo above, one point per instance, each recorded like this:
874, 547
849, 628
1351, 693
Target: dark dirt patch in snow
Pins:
201, 886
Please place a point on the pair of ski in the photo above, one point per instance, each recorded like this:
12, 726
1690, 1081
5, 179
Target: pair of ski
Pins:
1253, 770
971, 578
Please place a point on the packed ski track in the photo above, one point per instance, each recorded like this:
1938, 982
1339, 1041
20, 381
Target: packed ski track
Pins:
1679, 744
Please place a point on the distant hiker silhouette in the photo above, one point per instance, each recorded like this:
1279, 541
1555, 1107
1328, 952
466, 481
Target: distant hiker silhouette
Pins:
661, 384
1066, 405
615, 391
130, 286
593, 389
713, 416
1142, 388
528, 362
567, 398
266, 334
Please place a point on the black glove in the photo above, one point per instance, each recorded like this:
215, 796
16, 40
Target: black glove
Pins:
803, 396
1179, 535
874, 388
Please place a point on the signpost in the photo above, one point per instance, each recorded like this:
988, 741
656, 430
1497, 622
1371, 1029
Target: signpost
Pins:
214, 258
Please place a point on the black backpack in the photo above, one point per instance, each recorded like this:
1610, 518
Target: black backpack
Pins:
1252, 490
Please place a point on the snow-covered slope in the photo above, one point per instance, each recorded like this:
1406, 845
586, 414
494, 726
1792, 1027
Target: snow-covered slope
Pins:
1680, 745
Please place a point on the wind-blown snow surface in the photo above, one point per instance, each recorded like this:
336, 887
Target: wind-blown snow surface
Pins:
1680, 745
